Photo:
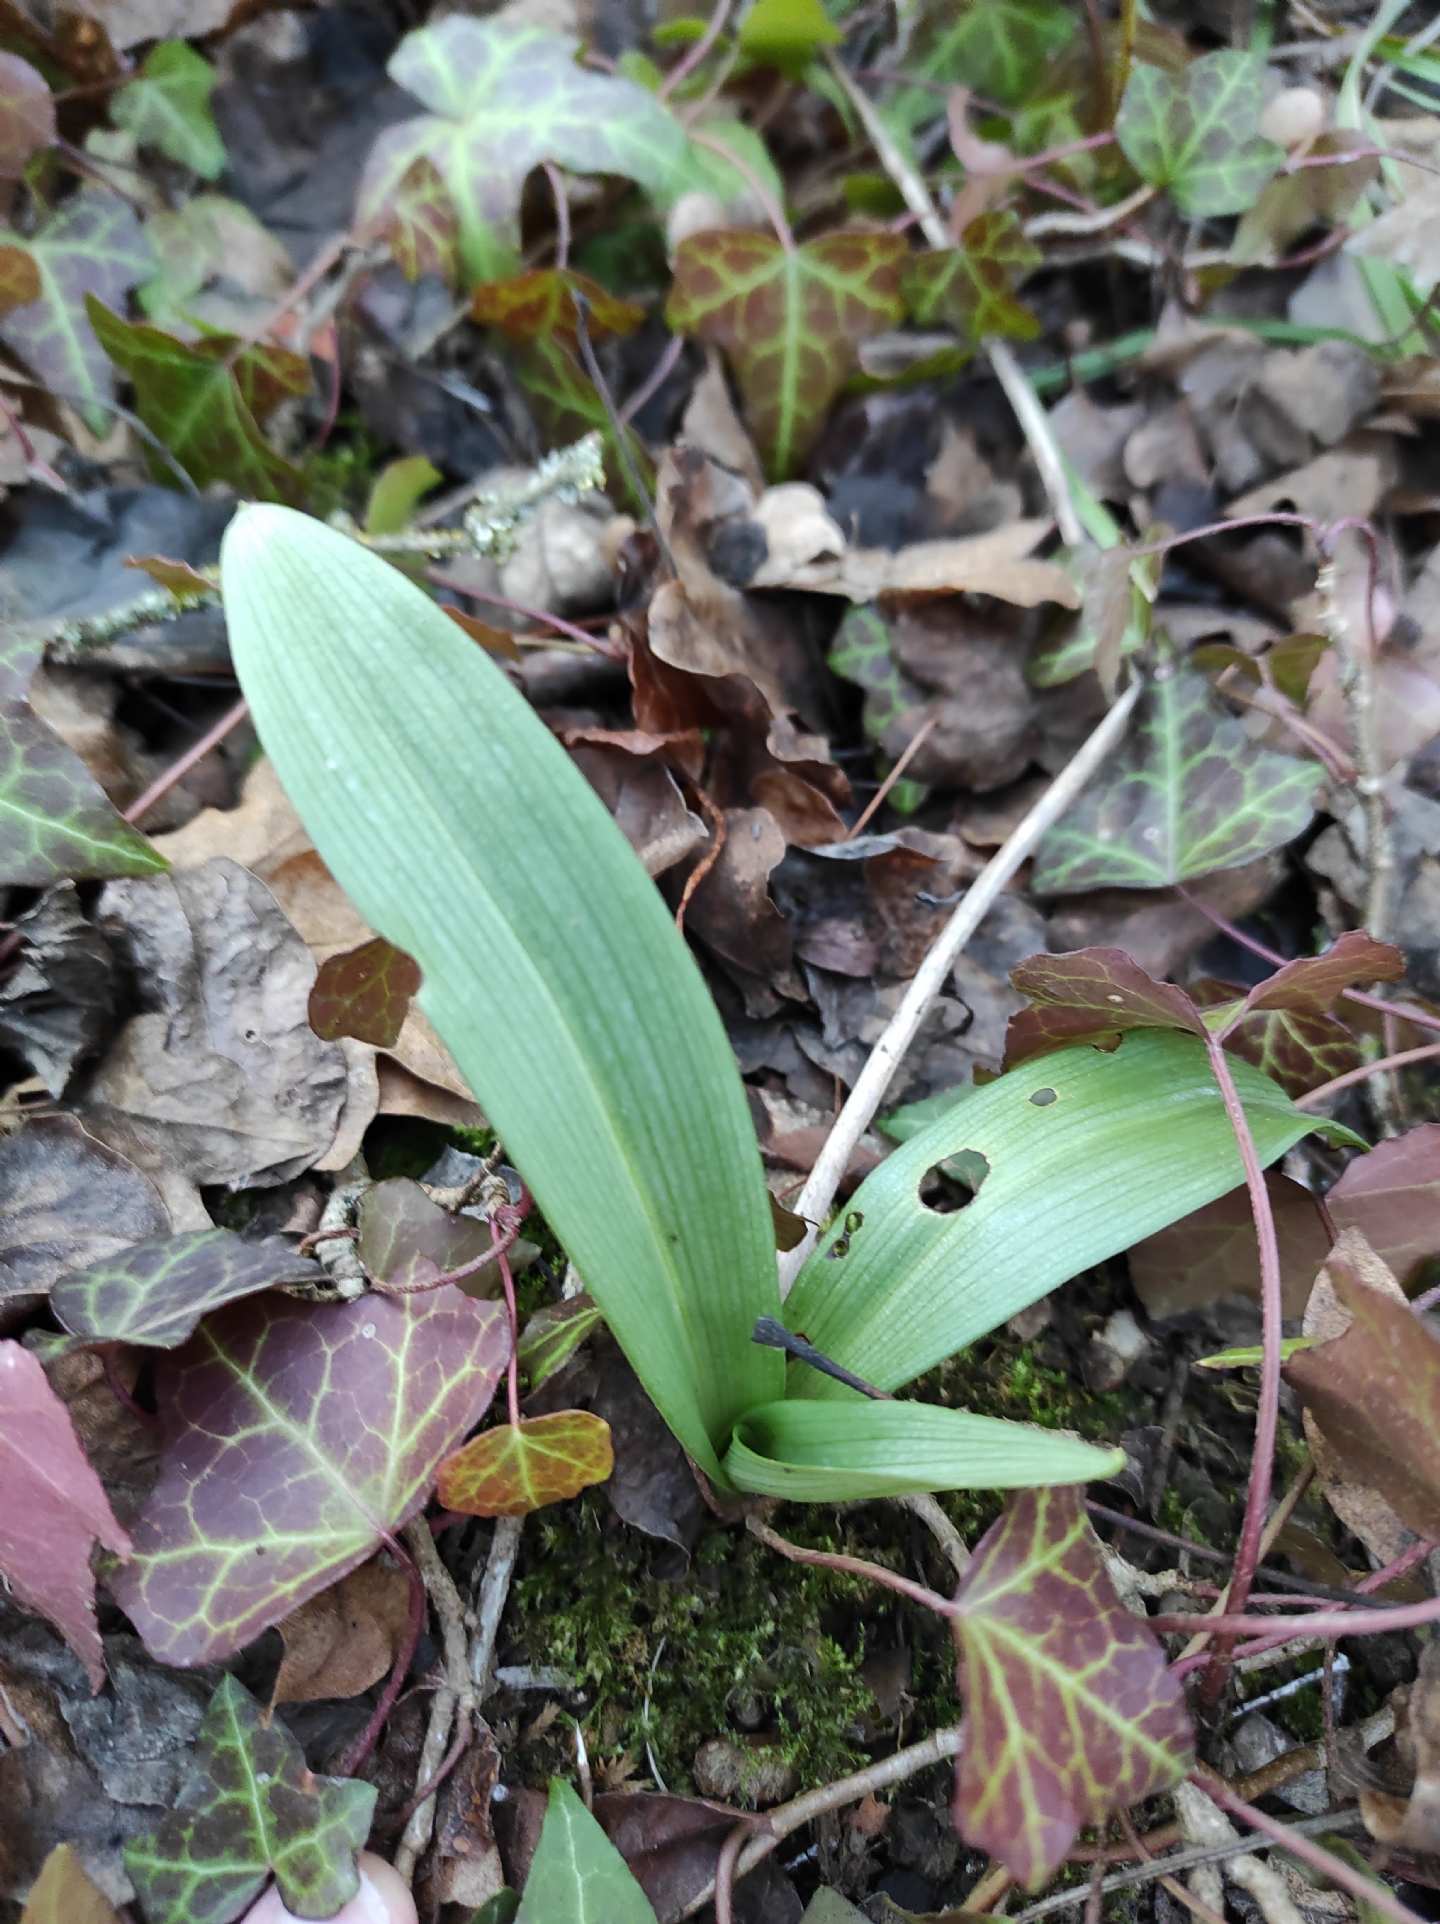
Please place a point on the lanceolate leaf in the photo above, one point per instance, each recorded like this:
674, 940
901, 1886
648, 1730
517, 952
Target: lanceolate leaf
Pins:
95, 245
790, 319
576, 1875
1189, 793
156, 1292
519, 1467
1197, 133
1071, 1711
972, 285
54, 819
295, 1436
553, 970
1086, 1153
502, 97
27, 114
365, 993
206, 410
167, 105
251, 1810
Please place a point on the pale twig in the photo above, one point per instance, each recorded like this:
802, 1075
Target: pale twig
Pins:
874, 1079
1382, 1067
490, 1604
455, 1695
1357, 656
907, 755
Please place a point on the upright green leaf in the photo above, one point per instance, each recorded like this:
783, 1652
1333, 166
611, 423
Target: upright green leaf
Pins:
251, 1810
551, 966
1198, 133
786, 33
790, 320
1189, 792
1073, 1157
167, 105
576, 1875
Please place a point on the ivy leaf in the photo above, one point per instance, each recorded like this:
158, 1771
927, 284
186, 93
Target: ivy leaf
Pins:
998, 48
167, 106
972, 286
1089, 993
786, 33
94, 245
249, 1811
519, 1467
52, 1508
156, 1292
365, 993
1212, 1252
1312, 984
1188, 793
861, 653
503, 97
296, 1436
552, 1336
1197, 133
1071, 1710
419, 223
1298, 1051
55, 821
206, 411
27, 114
1393, 1196
408, 1240
790, 320
576, 1875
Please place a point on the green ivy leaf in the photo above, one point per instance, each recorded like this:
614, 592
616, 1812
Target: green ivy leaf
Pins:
861, 654
94, 246
206, 411
576, 1875
1197, 133
502, 98
155, 1292
251, 1810
1071, 1711
27, 114
786, 33
552, 1336
1188, 793
519, 1467
972, 286
167, 106
790, 320
998, 48
55, 821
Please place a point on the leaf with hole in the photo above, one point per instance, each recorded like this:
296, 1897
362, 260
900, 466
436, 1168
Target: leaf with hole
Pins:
576, 1875
250, 1811
27, 114
295, 1438
94, 246
206, 400
365, 993
789, 319
971, 286
1189, 792
502, 97
1197, 133
167, 106
52, 1509
55, 821
519, 1467
1071, 1710
156, 1292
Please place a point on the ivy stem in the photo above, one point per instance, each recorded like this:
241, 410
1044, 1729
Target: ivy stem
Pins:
500, 1243
181, 766
367, 1739
764, 199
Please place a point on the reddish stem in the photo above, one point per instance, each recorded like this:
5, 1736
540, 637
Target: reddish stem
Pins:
1367, 1890
540, 615
180, 768
499, 1245
366, 1741
1337, 1083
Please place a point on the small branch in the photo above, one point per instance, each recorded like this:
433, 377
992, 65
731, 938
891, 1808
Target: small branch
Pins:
1290, 1837
907, 755
852, 1566
695, 56
490, 1604
454, 1695
1357, 685
1366, 1069
180, 768
358, 1751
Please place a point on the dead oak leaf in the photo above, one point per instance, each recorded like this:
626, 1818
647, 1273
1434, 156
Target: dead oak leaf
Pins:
1000, 563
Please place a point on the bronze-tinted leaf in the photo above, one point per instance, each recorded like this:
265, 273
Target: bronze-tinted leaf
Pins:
519, 1467
1087, 994
365, 993
1392, 1195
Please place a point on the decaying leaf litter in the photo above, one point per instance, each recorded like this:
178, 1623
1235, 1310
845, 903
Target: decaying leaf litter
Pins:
979, 456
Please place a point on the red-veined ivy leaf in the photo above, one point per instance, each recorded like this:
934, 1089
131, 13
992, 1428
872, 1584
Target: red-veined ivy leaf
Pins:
1197, 133
1392, 1195
296, 1436
251, 1810
420, 224
55, 822
52, 1508
786, 33
502, 97
790, 320
1294, 1047
576, 1875
178, 578
167, 106
27, 114
541, 302
1374, 1392
155, 1292
552, 1336
95, 245
1212, 1252
407, 1239
519, 1467
365, 993
1188, 792
1088, 993
64, 1894
1314, 983
1071, 1712
971, 286
206, 411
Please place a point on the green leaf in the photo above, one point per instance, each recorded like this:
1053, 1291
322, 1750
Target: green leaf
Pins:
1117, 1146
1197, 133
206, 410
552, 1336
576, 1875
364, 992
972, 286
502, 98
552, 967
95, 245
55, 821
709, 171
861, 653
167, 105
1188, 793
1071, 1710
210, 239
790, 320
519, 1467
397, 492
27, 114
154, 1293
998, 48
251, 1810
838, 1452
786, 33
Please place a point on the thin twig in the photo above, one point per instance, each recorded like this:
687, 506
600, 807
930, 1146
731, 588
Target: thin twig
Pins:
695, 55
181, 766
907, 755
490, 1604
1290, 1837
367, 1739
1366, 1069
455, 1695
874, 1079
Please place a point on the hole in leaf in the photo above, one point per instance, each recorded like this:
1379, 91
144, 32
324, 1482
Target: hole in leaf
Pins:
841, 1244
953, 1184
1043, 1098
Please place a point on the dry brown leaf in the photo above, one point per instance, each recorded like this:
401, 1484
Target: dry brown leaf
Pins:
1343, 481
996, 564
1412, 1822
1407, 236
64, 1894
346, 1639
